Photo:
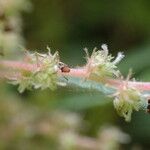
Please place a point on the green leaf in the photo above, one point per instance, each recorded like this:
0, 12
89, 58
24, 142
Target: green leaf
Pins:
137, 60
83, 101
90, 85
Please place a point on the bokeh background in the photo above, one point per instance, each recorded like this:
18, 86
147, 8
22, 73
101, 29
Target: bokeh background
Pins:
71, 118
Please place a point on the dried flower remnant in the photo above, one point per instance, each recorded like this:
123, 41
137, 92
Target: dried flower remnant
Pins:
101, 64
64, 68
148, 106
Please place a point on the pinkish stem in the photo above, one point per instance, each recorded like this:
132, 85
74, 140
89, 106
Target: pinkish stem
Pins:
82, 73
74, 72
144, 86
18, 65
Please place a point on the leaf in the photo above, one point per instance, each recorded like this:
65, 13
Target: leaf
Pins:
90, 85
83, 101
137, 60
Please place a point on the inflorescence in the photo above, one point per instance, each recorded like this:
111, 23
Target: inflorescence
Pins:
45, 71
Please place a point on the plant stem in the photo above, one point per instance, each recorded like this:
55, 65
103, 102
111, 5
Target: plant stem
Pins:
81, 72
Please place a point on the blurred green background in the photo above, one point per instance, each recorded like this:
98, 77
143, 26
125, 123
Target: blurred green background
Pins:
69, 26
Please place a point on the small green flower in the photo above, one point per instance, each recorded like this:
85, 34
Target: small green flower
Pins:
45, 74
128, 99
101, 64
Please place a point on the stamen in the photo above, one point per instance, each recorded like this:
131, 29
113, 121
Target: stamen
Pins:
119, 57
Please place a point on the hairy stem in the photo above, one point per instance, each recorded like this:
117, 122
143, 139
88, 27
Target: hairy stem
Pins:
81, 72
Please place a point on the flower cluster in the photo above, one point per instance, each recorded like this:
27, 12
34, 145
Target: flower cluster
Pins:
127, 99
44, 74
46, 71
101, 64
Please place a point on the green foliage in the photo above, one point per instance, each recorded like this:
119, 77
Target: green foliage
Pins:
90, 85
